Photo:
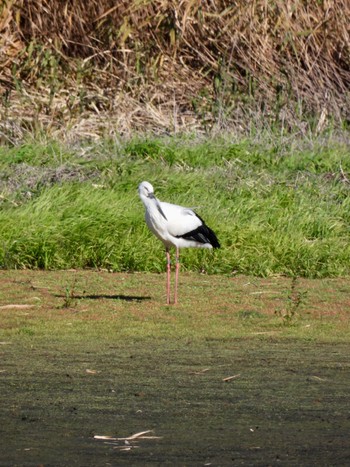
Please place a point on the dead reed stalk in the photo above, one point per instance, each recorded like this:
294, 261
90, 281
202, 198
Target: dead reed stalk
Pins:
168, 65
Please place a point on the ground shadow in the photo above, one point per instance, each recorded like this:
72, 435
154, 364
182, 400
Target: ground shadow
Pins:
126, 298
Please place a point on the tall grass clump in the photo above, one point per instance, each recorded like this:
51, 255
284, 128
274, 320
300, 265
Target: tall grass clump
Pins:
273, 213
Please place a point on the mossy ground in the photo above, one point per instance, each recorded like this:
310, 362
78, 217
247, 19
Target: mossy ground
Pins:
86, 353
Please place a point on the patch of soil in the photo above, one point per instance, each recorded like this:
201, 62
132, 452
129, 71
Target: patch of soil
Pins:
27, 178
287, 403
78, 379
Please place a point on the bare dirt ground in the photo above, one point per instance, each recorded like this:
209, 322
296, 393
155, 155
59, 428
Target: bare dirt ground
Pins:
79, 377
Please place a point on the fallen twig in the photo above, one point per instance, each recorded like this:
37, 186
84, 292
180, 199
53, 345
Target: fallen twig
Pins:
17, 306
199, 372
136, 436
317, 378
229, 378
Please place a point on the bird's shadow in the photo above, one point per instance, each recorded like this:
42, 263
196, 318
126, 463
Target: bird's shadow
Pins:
126, 298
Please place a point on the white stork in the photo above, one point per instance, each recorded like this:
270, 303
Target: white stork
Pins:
175, 226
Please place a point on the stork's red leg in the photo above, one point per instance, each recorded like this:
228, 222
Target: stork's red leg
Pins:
168, 267
177, 273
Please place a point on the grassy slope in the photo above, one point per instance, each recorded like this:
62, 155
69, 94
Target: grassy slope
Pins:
275, 210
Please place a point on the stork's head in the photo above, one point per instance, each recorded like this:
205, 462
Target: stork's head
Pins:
146, 190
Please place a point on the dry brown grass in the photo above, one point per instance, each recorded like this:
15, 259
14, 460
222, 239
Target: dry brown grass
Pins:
164, 65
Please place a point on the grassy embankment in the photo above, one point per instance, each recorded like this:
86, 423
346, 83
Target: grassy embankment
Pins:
275, 210
88, 74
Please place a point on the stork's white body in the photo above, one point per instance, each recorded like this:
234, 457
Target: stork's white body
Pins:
177, 222
175, 226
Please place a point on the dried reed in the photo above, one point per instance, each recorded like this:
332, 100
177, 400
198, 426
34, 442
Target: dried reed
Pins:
164, 65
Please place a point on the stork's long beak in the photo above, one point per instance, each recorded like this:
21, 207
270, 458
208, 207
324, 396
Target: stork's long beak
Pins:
151, 195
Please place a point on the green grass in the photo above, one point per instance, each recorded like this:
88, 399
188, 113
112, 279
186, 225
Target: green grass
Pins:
276, 209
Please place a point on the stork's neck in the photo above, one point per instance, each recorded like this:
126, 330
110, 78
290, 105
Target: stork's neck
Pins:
149, 202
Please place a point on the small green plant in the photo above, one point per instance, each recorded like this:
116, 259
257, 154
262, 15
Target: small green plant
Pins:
26, 331
295, 300
250, 314
70, 298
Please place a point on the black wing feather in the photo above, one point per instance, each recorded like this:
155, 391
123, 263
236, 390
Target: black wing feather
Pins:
202, 234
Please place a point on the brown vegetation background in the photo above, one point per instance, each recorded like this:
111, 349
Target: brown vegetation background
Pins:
97, 67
